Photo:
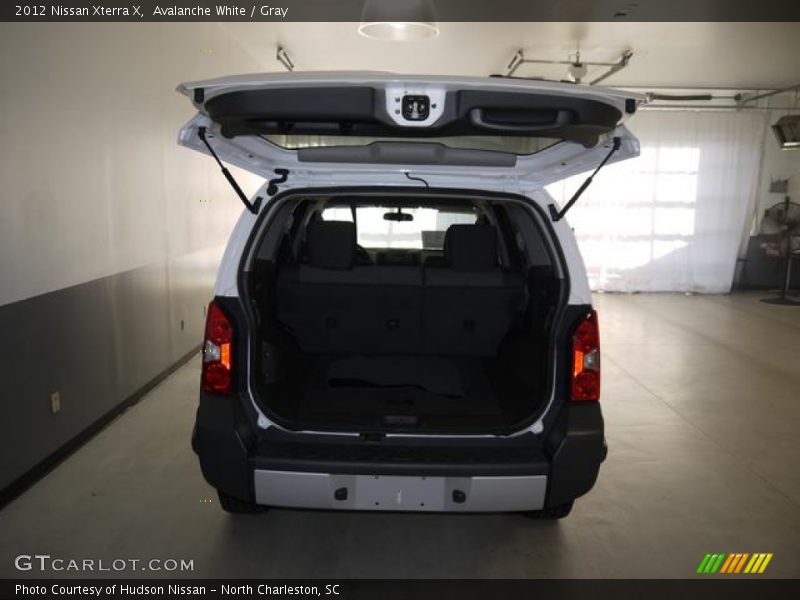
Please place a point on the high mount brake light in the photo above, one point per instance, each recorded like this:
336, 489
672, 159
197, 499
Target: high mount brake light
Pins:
586, 360
217, 372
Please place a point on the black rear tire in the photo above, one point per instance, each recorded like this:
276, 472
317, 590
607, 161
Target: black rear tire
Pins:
239, 507
551, 513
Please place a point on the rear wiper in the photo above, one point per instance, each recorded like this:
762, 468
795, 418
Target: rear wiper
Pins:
251, 206
555, 214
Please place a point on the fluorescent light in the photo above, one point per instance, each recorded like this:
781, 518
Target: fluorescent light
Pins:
398, 31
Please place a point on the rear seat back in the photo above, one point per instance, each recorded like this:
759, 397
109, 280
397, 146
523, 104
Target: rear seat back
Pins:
469, 305
315, 299
397, 318
332, 305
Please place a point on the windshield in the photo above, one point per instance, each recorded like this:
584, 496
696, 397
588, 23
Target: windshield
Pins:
500, 143
421, 228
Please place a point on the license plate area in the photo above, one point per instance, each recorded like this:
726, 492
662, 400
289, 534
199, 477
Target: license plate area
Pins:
387, 492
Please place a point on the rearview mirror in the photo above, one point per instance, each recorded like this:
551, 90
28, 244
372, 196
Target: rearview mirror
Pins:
397, 216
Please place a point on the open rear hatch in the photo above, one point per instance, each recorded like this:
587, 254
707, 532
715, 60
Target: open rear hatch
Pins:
342, 126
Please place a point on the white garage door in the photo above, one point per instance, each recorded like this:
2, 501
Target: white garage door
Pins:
672, 219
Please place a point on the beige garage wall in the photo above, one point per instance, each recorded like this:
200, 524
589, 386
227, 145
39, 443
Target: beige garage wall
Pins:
776, 162
93, 182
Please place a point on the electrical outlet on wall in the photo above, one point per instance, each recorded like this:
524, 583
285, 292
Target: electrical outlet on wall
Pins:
55, 402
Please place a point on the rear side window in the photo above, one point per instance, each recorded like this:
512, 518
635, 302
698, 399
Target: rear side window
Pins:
420, 228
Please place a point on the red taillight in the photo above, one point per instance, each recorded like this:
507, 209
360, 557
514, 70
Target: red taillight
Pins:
217, 376
586, 360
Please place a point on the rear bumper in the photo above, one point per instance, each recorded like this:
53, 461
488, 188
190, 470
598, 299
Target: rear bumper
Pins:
302, 470
399, 493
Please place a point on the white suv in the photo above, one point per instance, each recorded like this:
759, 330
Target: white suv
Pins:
402, 320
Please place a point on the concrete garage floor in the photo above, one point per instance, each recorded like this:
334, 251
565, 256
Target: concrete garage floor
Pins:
702, 403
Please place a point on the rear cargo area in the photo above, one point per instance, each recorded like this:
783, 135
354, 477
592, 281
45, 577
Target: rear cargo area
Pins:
447, 334
407, 392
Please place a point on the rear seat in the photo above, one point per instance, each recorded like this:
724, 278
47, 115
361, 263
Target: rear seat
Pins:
469, 304
332, 305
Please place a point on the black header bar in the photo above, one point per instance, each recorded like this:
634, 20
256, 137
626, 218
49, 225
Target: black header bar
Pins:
446, 10
733, 588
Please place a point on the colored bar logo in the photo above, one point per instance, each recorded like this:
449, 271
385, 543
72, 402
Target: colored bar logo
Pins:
737, 562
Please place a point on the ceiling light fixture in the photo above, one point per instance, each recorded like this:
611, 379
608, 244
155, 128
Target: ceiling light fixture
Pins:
398, 20
576, 69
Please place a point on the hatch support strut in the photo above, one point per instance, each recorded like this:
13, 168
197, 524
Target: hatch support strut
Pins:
556, 214
251, 206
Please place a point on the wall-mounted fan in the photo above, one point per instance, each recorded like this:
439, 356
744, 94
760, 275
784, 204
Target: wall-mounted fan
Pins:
781, 226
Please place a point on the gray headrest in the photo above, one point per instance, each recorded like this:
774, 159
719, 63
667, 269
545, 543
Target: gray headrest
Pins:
331, 244
471, 247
